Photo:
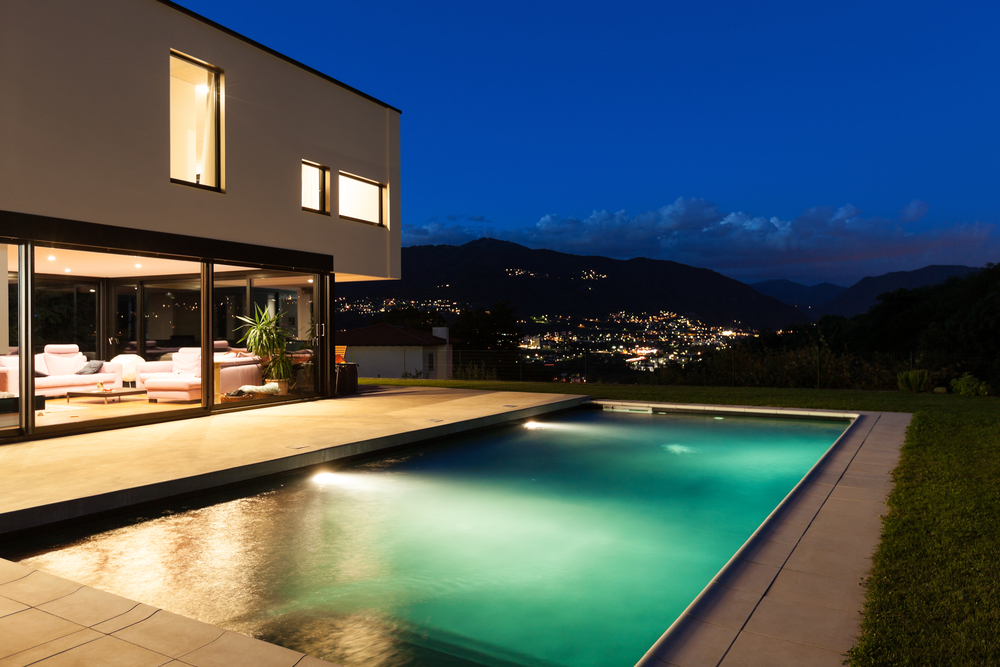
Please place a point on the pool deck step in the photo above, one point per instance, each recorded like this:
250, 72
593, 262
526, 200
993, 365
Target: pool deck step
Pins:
46, 481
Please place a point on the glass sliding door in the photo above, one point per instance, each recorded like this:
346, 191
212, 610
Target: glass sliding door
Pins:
291, 295
105, 323
285, 295
10, 390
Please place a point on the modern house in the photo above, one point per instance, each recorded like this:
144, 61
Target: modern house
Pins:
389, 351
161, 176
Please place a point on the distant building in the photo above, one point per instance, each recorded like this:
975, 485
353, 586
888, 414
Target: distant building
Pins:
390, 351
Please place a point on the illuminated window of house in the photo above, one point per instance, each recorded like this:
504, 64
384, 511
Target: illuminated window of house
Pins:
360, 199
315, 185
195, 123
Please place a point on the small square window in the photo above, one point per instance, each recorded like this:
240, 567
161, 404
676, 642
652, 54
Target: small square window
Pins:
315, 187
360, 199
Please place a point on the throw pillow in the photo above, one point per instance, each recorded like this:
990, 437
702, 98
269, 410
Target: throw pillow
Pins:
91, 367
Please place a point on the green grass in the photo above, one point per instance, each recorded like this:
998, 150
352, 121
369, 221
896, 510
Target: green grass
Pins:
933, 597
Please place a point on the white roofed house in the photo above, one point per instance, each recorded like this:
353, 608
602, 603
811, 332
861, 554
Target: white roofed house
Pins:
391, 351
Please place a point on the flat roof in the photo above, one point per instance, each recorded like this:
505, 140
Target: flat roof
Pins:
233, 33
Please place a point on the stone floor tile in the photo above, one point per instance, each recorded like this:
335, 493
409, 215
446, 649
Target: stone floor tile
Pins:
723, 606
8, 606
767, 552
840, 541
107, 652
805, 623
170, 634
30, 628
741, 575
858, 482
786, 533
38, 588
309, 661
854, 493
826, 478
693, 643
829, 519
138, 613
33, 655
9, 571
801, 510
859, 508
873, 468
753, 650
235, 649
89, 606
829, 563
857, 471
818, 590
811, 488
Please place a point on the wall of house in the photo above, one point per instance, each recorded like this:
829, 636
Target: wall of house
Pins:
85, 132
387, 362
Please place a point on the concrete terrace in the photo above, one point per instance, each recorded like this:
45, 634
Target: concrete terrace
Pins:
789, 597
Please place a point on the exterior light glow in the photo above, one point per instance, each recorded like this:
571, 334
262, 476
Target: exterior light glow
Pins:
532, 425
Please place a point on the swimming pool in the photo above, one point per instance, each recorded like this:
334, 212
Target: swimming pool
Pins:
576, 543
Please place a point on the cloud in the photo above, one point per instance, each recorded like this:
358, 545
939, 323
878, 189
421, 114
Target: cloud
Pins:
823, 243
913, 211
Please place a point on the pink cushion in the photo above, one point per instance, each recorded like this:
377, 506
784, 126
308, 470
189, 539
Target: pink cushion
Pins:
173, 383
62, 349
63, 364
187, 360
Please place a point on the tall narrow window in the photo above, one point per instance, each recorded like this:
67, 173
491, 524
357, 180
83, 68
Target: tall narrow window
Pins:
195, 124
360, 199
315, 179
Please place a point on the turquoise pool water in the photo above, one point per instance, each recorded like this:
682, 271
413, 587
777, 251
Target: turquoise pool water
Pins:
576, 543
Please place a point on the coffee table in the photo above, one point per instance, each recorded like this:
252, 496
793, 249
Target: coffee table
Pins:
96, 393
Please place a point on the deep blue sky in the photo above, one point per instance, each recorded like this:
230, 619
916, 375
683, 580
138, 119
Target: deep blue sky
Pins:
791, 140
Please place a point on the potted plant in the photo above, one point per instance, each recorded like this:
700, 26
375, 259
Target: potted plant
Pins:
265, 338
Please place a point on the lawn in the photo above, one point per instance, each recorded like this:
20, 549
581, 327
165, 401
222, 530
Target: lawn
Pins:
933, 597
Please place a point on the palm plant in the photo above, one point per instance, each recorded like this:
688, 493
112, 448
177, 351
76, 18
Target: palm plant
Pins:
265, 338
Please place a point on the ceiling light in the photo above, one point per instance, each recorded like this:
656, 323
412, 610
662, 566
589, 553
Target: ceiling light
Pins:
67, 270
52, 258
310, 280
138, 266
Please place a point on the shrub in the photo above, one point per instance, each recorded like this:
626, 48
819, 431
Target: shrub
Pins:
475, 371
913, 381
968, 385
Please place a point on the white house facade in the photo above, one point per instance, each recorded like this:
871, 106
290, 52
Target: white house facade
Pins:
160, 177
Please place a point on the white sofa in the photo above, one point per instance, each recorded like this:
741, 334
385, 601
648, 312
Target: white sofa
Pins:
60, 364
179, 378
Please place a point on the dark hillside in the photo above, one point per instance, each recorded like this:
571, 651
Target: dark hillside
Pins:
545, 282
863, 294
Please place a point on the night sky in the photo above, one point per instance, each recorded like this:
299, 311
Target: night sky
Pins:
800, 140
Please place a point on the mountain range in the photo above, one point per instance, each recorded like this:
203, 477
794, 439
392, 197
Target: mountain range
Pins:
545, 282
828, 299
